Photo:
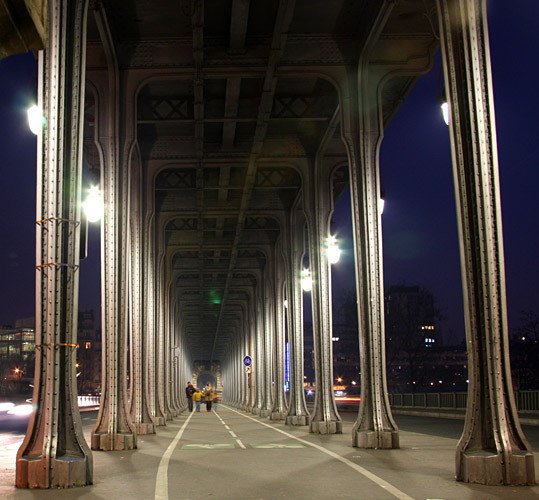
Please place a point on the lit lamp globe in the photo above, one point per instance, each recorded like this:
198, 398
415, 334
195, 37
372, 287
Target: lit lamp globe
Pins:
445, 112
93, 206
306, 281
35, 119
334, 254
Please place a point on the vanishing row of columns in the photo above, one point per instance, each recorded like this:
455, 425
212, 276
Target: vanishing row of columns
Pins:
492, 450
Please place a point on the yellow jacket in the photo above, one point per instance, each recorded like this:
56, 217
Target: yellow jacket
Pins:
197, 396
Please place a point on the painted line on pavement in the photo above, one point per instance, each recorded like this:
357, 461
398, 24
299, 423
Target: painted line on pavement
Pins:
369, 475
161, 481
230, 431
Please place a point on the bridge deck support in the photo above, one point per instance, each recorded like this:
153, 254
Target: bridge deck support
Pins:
492, 449
54, 453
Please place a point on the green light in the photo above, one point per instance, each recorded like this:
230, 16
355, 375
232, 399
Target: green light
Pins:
214, 297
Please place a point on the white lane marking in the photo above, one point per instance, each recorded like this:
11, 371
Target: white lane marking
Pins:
231, 432
161, 481
369, 475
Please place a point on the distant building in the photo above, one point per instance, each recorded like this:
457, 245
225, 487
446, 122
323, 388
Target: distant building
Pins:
17, 360
17, 343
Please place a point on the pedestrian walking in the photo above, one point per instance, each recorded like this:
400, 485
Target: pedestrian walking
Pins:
189, 391
208, 396
197, 398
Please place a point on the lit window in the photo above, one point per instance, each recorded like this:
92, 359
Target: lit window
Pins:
88, 345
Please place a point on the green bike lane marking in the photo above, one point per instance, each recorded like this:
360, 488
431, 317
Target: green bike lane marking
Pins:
278, 446
216, 446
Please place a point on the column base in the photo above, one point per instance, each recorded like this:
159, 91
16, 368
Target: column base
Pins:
160, 421
326, 427
145, 428
386, 440
265, 413
297, 420
65, 472
114, 442
255, 411
483, 467
277, 415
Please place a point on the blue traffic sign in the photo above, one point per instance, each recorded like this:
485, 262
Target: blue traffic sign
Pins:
247, 361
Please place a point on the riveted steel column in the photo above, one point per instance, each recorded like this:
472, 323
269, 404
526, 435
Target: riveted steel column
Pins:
279, 409
114, 429
325, 418
374, 427
167, 331
140, 414
492, 449
297, 410
362, 132
259, 359
160, 341
172, 362
250, 350
54, 453
244, 351
151, 327
267, 311
237, 374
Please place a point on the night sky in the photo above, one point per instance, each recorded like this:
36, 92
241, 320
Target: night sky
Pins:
419, 222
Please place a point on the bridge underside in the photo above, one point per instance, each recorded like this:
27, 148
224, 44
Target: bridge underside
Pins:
222, 134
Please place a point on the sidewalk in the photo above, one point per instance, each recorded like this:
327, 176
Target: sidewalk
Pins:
229, 455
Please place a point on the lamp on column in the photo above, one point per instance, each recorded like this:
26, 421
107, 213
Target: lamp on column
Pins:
306, 280
35, 119
442, 99
333, 251
93, 205
92, 211
445, 107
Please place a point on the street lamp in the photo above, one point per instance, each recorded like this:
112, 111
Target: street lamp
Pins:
333, 252
93, 206
35, 119
306, 280
445, 107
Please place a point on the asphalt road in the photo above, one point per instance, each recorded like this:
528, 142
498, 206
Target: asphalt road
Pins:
12, 431
443, 427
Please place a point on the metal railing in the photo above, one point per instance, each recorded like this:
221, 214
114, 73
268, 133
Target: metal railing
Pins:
525, 400
85, 401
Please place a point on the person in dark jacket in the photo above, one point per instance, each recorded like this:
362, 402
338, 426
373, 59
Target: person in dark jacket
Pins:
189, 391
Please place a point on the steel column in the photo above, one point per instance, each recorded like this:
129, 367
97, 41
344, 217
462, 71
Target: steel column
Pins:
325, 418
140, 413
297, 410
259, 359
279, 409
54, 452
492, 449
267, 312
114, 429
